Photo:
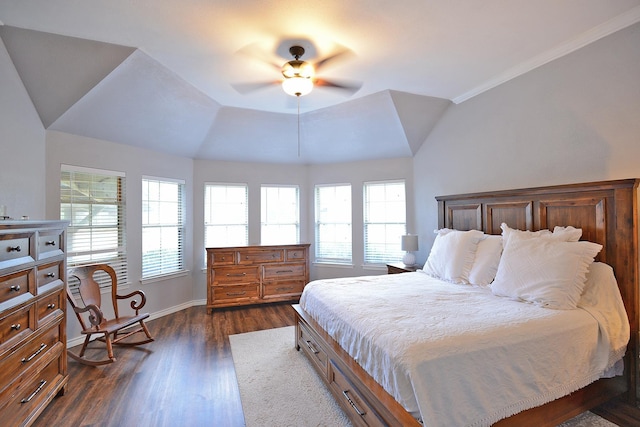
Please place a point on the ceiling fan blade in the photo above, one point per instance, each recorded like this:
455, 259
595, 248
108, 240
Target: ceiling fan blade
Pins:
341, 54
351, 86
246, 88
257, 52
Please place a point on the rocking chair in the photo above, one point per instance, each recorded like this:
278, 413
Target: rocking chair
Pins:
92, 311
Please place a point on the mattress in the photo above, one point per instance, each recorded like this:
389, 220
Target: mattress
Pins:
459, 355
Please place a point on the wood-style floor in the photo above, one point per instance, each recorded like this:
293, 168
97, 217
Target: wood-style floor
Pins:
186, 377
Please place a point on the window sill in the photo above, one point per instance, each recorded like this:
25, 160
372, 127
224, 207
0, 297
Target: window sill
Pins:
331, 264
162, 277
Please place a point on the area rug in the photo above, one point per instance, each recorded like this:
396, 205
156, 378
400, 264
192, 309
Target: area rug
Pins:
279, 387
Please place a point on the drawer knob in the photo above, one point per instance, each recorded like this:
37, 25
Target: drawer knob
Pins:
50, 275
15, 288
51, 306
38, 390
236, 274
38, 351
313, 349
236, 294
50, 243
16, 326
14, 249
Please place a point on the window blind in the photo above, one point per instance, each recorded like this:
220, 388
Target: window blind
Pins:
385, 214
333, 223
93, 201
279, 215
226, 215
162, 226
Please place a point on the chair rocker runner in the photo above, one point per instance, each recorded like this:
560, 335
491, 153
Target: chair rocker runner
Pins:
112, 331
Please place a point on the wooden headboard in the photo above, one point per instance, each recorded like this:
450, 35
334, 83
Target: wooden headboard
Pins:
606, 211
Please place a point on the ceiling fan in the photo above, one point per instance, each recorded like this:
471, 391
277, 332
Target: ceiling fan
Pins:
299, 77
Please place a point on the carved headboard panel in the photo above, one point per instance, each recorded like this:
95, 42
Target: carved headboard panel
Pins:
606, 211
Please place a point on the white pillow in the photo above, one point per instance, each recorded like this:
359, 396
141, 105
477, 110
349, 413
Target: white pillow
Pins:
568, 234
485, 264
452, 255
507, 232
547, 272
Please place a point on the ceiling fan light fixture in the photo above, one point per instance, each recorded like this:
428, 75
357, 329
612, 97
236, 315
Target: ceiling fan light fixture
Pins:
297, 68
297, 86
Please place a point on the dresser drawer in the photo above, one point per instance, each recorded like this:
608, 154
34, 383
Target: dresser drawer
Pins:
49, 306
235, 293
26, 394
296, 254
16, 248
50, 243
29, 353
279, 271
49, 273
16, 325
353, 403
229, 275
260, 255
282, 289
309, 345
16, 284
222, 258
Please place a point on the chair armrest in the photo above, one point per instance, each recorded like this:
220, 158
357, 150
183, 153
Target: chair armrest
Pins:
134, 304
95, 315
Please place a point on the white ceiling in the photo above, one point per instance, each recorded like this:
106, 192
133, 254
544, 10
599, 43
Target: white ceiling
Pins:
159, 73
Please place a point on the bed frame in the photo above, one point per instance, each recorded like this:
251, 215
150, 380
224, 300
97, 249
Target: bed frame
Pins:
606, 211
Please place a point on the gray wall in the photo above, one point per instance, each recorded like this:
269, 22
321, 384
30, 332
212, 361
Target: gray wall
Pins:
576, 119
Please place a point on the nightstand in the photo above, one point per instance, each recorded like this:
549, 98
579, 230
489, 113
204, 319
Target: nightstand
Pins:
401, 268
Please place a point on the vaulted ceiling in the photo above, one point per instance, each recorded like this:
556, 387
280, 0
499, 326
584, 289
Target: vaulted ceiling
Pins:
164, 74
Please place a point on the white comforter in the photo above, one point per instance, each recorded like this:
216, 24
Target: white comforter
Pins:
456, 355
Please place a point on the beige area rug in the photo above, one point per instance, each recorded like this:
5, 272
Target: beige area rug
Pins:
279, 387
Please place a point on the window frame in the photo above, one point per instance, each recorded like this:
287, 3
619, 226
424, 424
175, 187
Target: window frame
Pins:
347, 259
264, 209
208, 205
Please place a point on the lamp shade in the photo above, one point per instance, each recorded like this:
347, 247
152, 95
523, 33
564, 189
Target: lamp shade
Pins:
297, 86
409, 243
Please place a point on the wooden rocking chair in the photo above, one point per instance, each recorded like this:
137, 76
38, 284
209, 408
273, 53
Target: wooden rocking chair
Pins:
92, 311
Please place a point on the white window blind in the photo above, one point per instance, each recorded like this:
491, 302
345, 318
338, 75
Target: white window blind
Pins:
385, 214
93, 201
280, 215
333, 223
162, 226
226, 215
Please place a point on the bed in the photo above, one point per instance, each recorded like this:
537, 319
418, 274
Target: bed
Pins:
606, 212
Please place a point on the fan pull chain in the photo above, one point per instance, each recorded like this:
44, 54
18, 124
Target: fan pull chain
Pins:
298, 125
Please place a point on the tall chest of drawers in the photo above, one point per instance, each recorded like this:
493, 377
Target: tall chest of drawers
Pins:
33, 356
256, 274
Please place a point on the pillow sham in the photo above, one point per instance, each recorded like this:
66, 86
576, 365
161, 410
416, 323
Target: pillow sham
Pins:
507, 232
565, 234
452, 255
547, 272
569, 233
485, 264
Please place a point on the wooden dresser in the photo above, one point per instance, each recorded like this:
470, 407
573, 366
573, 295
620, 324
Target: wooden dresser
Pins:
33, 356
256, 274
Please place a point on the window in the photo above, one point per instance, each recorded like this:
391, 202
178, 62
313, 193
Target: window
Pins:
280, 215
162, 227
93, 201
385, 214
333, 223
226, 216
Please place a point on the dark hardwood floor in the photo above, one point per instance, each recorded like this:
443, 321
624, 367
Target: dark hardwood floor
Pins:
186, 377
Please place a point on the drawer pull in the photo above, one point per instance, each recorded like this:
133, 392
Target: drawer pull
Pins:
15, 288
236, 275
313, 349
14, 249
236, 294
16, 326
51, 306
30, 358
50, 243
352, 403
50, 275
38, 390
284, 271
284, 288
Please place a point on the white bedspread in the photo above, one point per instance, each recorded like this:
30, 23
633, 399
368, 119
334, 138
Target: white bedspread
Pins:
457, 355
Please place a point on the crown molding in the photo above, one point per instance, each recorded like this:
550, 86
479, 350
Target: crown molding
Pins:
615, 24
